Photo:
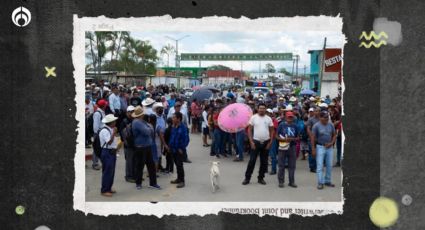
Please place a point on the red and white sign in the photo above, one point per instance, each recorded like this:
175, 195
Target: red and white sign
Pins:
333, 60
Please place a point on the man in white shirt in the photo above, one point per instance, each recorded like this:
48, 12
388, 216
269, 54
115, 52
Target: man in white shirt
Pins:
260, 132
108, 155
98, 115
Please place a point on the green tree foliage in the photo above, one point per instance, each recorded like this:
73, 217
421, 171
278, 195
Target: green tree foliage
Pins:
118, 51
269, 68
219, 67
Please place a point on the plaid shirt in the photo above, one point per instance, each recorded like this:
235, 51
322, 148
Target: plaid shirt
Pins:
179, 138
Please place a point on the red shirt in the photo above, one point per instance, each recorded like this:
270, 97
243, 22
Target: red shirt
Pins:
215, 119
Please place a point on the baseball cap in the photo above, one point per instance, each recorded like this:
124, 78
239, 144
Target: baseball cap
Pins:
269, 110
130, 108
102, 103
324, 114
311, 109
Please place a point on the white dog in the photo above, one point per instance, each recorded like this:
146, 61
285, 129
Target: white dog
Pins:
214, 175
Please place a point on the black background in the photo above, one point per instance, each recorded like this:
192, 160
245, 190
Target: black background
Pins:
38, 140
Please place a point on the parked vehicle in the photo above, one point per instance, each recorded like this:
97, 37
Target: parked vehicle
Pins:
258, 90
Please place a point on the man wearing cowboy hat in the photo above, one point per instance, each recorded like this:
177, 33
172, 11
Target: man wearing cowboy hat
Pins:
143, 141
108, 156
147, 106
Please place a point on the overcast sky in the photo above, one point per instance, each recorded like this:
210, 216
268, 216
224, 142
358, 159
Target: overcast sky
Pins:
245, 42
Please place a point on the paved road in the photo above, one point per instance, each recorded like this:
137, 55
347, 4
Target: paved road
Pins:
198, 186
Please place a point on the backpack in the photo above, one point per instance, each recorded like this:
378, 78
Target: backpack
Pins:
90, 121
97, 149
128, 136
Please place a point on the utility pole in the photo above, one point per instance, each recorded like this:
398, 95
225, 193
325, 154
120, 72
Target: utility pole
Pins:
322, 67
293, 66
177, 64
297, 57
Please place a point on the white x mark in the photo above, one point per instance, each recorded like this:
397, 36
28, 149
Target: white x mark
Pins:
50, 71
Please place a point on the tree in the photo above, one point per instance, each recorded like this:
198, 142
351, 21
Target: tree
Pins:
167, 50
284, 71
219, 67
126, 53
269, 68
90, 37
101, 48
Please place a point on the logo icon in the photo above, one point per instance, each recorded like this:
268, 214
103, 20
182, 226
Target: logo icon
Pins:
376, 37
21, 16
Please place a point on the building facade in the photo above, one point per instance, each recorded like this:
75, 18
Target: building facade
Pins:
332, 77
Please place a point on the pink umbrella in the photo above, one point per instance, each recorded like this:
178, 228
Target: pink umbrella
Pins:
234, 117
196, 87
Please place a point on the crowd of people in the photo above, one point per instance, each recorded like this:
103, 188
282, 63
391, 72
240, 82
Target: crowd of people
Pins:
154, 123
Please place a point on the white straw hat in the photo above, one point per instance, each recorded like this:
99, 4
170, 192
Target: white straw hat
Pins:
109, 118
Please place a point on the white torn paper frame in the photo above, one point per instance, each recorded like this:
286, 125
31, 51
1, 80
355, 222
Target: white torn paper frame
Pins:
166, 23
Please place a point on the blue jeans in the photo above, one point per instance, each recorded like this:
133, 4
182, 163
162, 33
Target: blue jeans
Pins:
273, 154
108, 169
325, 154
311, 159
240, 138
227, 142
218, 141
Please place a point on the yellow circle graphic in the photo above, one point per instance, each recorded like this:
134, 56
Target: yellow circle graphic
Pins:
383, 212
20, 210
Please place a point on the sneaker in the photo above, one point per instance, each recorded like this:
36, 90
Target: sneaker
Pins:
281, 185
96, 167
218, 156
237, 160
320, 186
313, 170
261, 181
107, 194
273, 172
245, 182
180, 185
138, 187
293, 185
330, 184
155, 186
337, 164
176, 181
187, 161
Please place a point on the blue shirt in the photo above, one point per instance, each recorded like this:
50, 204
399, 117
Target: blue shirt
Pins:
143, 133
114, 102
179, 138
289, 130
323, 133
171, 102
